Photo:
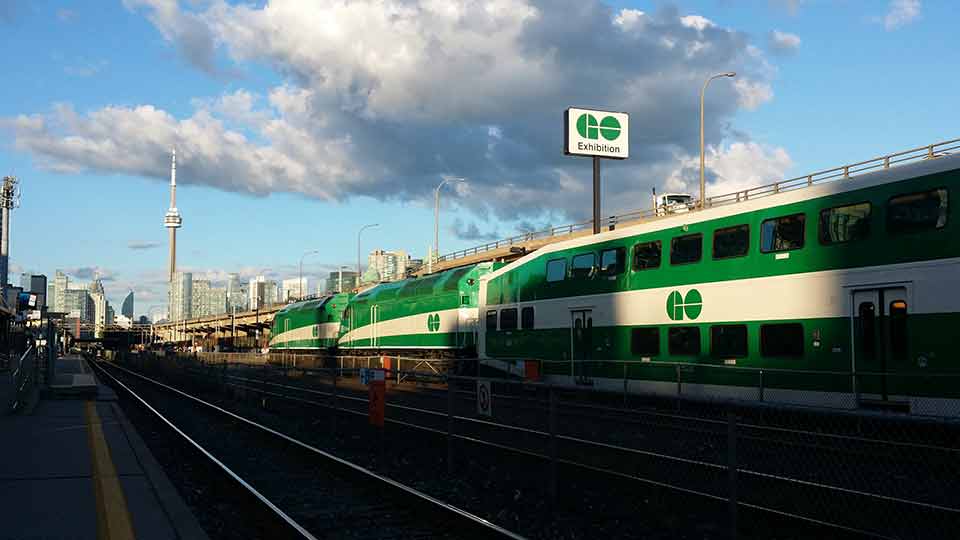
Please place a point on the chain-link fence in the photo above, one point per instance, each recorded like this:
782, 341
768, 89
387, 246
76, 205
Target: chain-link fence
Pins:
880, 474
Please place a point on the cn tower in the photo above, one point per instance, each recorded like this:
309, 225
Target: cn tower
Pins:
172, 220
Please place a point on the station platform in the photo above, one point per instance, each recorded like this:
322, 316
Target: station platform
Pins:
73, 467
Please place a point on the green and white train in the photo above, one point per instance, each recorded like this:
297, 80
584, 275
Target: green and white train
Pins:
844, 293
435, 315
309, 326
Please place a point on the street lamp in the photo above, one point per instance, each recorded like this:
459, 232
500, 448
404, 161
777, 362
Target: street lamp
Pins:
358, 246
703, 185
300, 283
436, 213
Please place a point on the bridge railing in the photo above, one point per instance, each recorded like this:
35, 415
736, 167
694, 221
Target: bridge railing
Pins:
843, 172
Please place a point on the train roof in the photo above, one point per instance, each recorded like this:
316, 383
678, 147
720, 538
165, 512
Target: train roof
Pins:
939, 164
448, 280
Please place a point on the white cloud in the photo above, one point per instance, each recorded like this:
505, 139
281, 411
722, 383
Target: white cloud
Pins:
730, 168
751, 94
901, 13
792, 6
381, 97
783, 42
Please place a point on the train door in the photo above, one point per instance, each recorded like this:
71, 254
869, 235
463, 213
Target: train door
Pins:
374, 331
879, 341
581, 343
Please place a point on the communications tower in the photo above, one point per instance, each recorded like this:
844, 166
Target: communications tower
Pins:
172, 220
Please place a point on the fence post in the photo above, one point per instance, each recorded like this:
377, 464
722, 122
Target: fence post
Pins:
450, 404
552, 426
732, 471
333, 398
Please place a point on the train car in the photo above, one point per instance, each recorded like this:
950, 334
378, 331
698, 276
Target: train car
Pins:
309, 325
843, 293
432, 316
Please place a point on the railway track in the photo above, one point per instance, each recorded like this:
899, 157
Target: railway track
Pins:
305, 491
852, 483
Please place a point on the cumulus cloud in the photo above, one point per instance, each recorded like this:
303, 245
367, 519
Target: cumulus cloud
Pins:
731, 168
783, 42
90, 273
901, 13
472, 231
381, 98
143, 245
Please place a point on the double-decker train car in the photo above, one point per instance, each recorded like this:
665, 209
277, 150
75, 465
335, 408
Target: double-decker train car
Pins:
310, 325
844, 293
432, 316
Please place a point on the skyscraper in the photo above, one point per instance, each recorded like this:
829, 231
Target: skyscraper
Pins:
181, 296
293, 288
390, 265
126, 308
349, 281
60, 285
236, 293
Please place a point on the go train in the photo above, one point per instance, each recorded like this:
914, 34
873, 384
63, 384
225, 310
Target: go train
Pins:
843, 293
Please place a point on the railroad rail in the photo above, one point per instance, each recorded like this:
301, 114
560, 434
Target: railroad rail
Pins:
391, 499
781, 467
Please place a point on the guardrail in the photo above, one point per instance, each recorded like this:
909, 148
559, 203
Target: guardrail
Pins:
843, 172
20, 378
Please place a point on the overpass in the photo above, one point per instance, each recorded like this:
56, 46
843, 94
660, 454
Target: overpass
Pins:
254, 323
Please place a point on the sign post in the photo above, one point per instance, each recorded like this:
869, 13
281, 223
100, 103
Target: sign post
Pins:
600, 135
376, 381
484, 398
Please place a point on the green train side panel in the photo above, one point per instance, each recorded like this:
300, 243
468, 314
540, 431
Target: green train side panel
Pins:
419, 298
930, 346
302, 325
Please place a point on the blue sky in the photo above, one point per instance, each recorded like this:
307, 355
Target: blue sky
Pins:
316, 145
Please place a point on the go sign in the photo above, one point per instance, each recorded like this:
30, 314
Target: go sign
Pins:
603, 134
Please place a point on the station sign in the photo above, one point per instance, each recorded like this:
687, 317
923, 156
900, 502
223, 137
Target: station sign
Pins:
484, 398
594, 133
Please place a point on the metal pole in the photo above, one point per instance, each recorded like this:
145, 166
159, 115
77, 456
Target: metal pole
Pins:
703, 91
552, 427
450, 403
596, 195
732, 471
436, 216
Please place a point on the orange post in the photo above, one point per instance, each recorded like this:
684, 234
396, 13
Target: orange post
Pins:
378, 398
531, 370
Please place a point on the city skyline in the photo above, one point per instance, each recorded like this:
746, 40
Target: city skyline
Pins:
779, 117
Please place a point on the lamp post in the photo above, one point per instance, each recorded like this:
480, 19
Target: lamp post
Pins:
436, 213
300, 282
703, 91
365, 227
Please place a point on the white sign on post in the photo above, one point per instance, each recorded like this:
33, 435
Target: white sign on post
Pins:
484, 398
605, 134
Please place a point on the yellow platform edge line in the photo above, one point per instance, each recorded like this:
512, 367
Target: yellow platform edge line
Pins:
113, 516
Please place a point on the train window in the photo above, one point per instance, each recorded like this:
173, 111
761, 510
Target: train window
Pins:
647, 255
844, 223
465, 300
898, 329
684, 340
491, 320
781, 339
686, 249
782, 233
917, 212
645, 341
508, 319
611, 261
582, 265
729, 340
556, 270
731, 242
526, 318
